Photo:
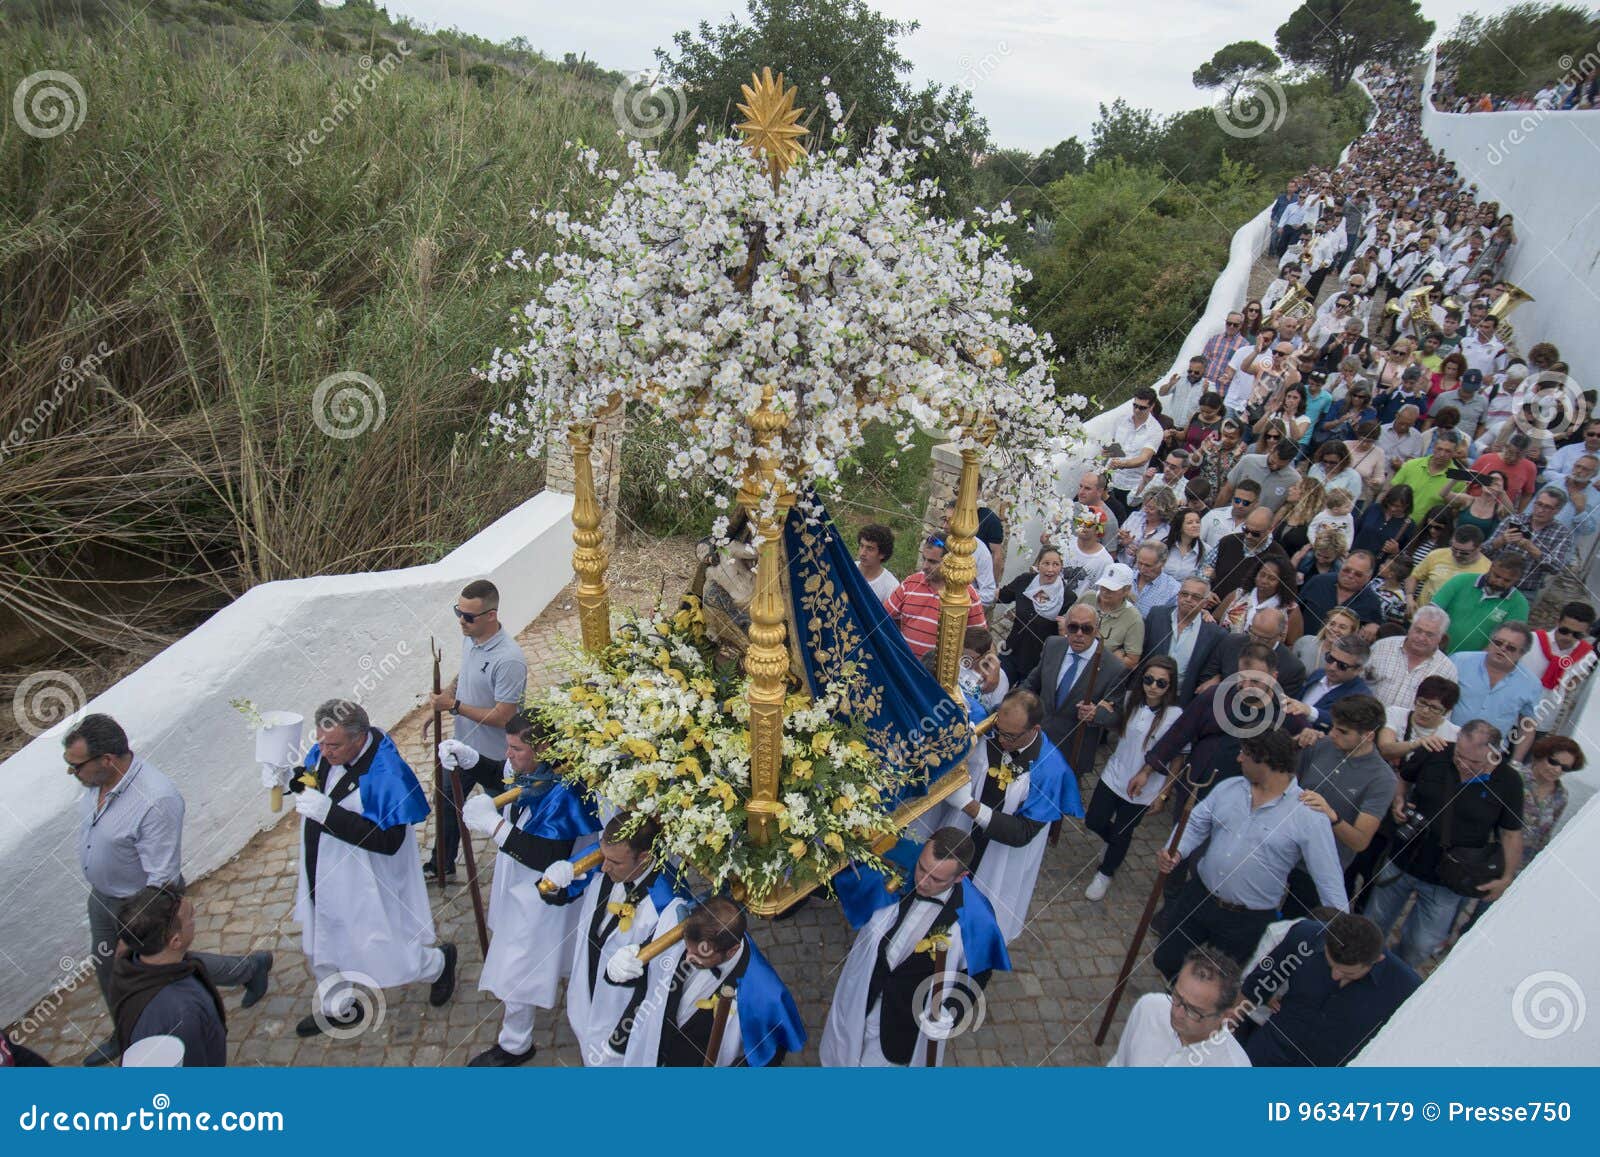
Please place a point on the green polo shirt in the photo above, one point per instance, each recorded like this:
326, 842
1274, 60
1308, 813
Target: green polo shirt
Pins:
1122, 630
1474, 617
1427, 488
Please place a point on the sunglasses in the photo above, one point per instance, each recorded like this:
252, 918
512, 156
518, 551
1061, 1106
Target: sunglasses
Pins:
1080, 628
1142, 407
1569, 633
1243, 501
1233, 324
470, 617
1152, 681
1339, 664
1271, 437
77, 767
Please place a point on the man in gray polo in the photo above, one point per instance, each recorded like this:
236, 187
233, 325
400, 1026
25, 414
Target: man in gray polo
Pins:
485, 695
130, 838
1271, 470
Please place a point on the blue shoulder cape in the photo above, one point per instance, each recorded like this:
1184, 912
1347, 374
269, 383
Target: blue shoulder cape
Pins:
1052, 788
862, 892
768, 1018
390, 793
560, 813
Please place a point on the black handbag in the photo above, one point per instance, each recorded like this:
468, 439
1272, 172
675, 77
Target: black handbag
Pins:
1464, 870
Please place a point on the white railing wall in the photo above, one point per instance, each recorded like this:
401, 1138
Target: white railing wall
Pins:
283, 645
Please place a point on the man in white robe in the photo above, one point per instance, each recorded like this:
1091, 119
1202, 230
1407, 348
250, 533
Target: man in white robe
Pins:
532, 945
893, 1005
715, 973
620, 909
360, 901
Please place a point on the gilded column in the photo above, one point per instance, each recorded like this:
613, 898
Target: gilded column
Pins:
589, 556
959, 570
766, 661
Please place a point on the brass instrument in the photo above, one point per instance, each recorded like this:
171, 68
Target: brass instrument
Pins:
1296, 303
1420, 314
1503, 305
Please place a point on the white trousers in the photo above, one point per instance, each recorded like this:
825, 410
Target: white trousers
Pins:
516, 1027
338, 988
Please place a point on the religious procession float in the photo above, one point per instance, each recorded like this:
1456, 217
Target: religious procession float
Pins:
770, 303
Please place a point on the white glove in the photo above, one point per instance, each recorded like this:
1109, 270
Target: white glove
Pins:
559, 874
274, 776
940, 1027
625, 965
961, 797
453, 754
313, 804
480, 816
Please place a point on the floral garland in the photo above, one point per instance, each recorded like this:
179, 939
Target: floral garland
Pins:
838, 291
652, 726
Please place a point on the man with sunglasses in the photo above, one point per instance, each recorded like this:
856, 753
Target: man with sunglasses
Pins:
1347, 587
1232, 565
483, 697
1139, 435
1075, 670
1179, 629
1220, 348
1496, 689
1343, 661
1562, 658
1272, 470
130, 837
1186, 1026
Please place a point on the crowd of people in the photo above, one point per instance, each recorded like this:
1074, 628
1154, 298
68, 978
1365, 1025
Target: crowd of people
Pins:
1325, 588
1573, 90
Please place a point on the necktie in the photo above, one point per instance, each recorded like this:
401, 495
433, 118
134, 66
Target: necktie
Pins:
1064, 688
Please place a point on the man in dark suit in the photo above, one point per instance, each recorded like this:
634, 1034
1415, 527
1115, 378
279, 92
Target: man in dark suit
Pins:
1267, 627
1076, 672
1239, 556
1342, 663
1179, 630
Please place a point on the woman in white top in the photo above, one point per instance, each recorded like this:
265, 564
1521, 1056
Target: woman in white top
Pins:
1185, 551
1427, 724
1149, 707
1334, 471
1274, 587
1149, 523
1084, 559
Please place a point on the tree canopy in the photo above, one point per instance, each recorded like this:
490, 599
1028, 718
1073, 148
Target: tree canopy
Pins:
1337, 37
1232, 63
1521, 48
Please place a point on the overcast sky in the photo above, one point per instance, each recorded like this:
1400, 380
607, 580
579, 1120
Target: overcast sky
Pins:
1037, 68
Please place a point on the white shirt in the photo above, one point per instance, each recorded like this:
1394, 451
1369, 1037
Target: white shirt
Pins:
1535, 664
985, 580
1397, 445
883, 586
1217, 524
1148, 1042
699, 983
1180, 649
1133, 439
1085, 661
1083, 570
1397, 723
1128, 757
1487, 357
1243, 384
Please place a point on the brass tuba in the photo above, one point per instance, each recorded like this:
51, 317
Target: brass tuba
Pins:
1420, 314
1503, 305
1295, 303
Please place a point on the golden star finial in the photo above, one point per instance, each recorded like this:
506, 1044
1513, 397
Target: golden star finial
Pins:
770, 127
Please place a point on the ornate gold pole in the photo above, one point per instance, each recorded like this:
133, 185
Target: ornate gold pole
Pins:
766, 660
959, 569
589, 558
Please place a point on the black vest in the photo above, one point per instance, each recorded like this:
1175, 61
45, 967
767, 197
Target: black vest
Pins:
894, 990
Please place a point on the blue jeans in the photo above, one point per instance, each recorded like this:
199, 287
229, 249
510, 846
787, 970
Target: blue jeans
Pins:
1430, 921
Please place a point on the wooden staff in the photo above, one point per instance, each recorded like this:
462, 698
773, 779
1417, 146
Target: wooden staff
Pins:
935, 1003
438, 771
472, 864
1077, 732
719, 1024
587, 864
1143, 928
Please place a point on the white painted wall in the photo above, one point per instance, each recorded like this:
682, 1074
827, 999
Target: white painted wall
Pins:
1544, 168
283, 645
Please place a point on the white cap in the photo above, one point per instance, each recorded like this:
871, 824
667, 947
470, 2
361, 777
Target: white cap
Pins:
154, 1052
1118, 577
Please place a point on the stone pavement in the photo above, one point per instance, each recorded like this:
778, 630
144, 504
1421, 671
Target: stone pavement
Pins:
1044, 1012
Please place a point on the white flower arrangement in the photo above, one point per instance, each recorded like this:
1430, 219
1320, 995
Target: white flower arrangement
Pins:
837, 291
651, 726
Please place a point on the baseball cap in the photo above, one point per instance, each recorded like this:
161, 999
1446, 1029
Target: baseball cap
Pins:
1118, 577
1471, 380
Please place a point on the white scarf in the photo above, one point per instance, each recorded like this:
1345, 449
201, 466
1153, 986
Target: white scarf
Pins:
1054, 595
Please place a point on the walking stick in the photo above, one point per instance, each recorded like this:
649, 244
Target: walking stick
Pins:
438, 771
1132, 957
1077, 732
935, 1001
719, 1024
472, 864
